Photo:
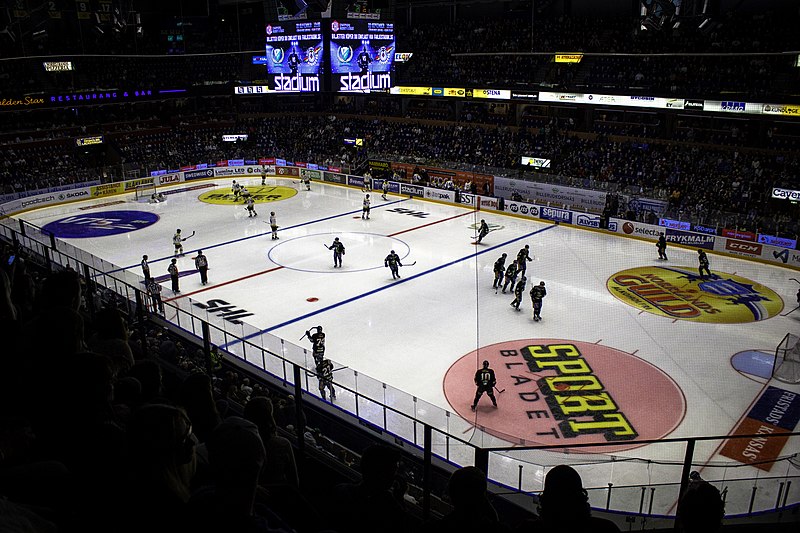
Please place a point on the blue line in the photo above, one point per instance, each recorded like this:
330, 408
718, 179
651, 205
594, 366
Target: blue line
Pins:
385, 287
212, 246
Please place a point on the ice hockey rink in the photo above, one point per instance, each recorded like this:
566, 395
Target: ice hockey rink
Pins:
595, 369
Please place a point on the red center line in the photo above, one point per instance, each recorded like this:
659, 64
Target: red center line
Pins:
225, 283
236, 280
430, 224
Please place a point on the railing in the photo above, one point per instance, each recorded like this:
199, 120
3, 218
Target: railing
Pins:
629, 482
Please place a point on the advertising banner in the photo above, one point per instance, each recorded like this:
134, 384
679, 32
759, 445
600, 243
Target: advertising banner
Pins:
229, 171
167, 179
362, 56
741, 235
100, 191
132, 184
675, 224
310, 174
439, 194
745, 248
543, 193
412, 190
355, 181
287, 171
520, 208
587, 221
783, 242
637, 229
294, 56
198, 174
334, 177
786, 194
556, 215
687, 238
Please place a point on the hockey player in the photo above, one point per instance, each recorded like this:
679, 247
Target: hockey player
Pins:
173, 275
338, 252
499, 270
365, 208
325, 377
523, 256
363, 60
662, 246
273, 224
537, 293
511, 276
251, 206
703, 258
155, 296
519, 291
385, 189
483, 231
263, 176
236, 189
177, 241
393, 262
201, 262
317, 345
244, 193
145, 270
485, 381
306, 181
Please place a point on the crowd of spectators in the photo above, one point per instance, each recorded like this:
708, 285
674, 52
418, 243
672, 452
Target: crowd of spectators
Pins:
704, 183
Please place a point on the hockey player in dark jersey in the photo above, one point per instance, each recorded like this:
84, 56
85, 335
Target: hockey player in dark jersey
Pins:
519, 291
363, 60
393, 262
485, 381
703, 258
317, 345
511, 276
325, 377
483, 231
662, 247
338, 252
499, 270
523, 256
294, 61
538, 292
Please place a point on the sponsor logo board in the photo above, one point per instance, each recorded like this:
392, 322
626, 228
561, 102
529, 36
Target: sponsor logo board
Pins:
440, 194
412, 190
687, 238
749, 249
199, 174
528, 210
556, 215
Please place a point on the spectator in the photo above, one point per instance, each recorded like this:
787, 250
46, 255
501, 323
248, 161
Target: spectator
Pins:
701, 508
197, 398
472, 511
564, 506
111, 339
281, 468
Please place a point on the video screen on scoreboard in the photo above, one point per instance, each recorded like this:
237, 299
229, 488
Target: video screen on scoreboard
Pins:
294, 56
362, 56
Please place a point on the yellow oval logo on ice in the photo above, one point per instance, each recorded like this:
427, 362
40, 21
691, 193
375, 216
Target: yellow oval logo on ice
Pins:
680, 293
260, 194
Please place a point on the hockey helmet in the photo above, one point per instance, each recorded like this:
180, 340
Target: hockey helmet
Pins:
485, 364
541, 283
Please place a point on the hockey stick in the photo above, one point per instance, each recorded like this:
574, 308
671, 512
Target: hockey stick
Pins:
793, 279
337, 369
792, 311
409, 265
498, 390
187, 238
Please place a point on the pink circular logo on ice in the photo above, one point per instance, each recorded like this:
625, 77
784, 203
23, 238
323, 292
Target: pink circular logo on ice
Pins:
100, 224
555, 391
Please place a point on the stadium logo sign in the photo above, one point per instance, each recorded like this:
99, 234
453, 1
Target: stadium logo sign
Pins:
680, 293
560, 391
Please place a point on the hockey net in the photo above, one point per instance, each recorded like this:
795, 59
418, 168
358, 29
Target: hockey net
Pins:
787, 360
144, 192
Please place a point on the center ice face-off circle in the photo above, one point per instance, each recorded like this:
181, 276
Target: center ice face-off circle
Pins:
680, 293
260, 194
567, 392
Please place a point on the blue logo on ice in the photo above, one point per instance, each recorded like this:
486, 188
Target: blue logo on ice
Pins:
100, 224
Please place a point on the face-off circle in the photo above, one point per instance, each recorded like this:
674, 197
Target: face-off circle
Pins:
100, 224
680, 293
567, 392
